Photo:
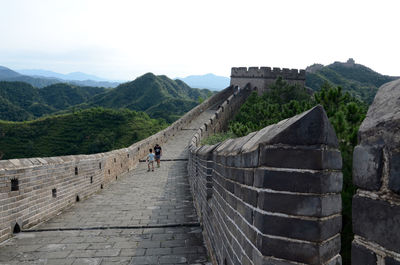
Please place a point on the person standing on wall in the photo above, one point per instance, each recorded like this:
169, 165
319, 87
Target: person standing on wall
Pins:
158, 153
150, 160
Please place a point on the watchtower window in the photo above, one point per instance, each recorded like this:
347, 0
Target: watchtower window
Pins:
115, 160
121, 165
54, 193
101, 186
14, 184
77, 198
109, 172
99, 165
76, 170
128, 155
91, 179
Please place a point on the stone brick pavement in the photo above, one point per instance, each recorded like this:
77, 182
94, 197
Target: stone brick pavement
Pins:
143, 218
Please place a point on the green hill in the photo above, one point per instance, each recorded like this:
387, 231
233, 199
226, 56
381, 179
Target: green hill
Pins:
84, 132
85, 127
159, 96
360, 81
21, 101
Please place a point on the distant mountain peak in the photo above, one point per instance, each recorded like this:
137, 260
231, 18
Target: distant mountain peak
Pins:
356, 79
209, 81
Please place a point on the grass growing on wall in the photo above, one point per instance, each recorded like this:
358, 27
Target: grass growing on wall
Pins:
217, 138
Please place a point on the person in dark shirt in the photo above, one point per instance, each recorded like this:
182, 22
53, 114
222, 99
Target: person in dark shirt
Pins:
158, 153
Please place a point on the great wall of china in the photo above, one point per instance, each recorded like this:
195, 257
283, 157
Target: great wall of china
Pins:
272, 197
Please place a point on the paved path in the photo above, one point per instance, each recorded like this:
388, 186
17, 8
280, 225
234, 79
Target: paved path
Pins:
143, 218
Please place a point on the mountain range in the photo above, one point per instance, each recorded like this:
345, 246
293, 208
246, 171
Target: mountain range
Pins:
42, 78
357, 79
209, 81
159, 96
71, 76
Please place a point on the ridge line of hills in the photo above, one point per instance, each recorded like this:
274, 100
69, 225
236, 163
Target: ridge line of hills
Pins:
158, 96
40, 81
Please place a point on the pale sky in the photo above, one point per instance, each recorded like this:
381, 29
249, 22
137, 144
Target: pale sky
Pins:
119, 39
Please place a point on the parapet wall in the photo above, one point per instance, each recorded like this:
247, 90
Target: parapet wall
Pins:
272, 197
33, 190
268, 72
261, 78
376, 173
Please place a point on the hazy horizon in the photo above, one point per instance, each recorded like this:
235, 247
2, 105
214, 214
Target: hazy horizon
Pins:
125, 39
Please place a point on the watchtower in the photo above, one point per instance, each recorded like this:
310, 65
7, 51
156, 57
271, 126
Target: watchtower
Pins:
261, 78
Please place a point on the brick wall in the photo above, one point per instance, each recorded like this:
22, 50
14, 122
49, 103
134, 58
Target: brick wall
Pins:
48, 185
376, 173
272, 197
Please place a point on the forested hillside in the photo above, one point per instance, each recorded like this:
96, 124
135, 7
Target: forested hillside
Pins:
86, 127
83, 132
159, 96
359, 80
21, 101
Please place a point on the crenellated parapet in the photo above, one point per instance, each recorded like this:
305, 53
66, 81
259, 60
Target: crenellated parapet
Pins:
261, 78
268, 72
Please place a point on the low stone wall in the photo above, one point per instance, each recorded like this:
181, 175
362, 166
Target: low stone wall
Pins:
33, 190
376, 173
272, 197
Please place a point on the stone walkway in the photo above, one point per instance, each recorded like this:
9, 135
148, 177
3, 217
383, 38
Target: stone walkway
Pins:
143, 218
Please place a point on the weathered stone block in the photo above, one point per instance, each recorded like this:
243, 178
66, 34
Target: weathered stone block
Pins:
292, 157
308, 128
305, 252
361, 255
394, 172
248, 177
377, 221
249, 196
299, 204
367, 167
298, 181
237, 175
249, 159
297, 228
381, 124
245, 211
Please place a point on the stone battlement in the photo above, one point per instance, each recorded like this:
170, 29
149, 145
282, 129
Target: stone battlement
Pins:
261, 78
268, 72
